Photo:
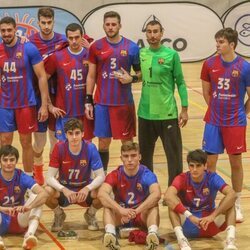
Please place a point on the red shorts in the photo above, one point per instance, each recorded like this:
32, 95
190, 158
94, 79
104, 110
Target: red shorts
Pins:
14, 227
136, 222
118, 122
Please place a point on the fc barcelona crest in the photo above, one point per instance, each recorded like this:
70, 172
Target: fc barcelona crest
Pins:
205, 191
19, 55
139, 187
123, 52
235, 73
17, 189
83, 163
161, 60
85, 63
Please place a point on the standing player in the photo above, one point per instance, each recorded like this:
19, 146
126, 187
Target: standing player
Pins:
17, 216
18, 63
136, 192
47, 41
157, 112
191, 203
225, 81
74, 160
114, 109
71, 68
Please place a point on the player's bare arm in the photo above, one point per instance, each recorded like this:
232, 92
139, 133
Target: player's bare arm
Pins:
247, 103
206, 86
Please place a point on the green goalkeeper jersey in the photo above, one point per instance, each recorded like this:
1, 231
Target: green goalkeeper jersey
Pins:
161, 71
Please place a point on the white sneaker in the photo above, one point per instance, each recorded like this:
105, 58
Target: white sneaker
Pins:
110, 242
152, 241
58, 222
230, 244
239, 215
29, 242
184, 244
2, 246
91, 221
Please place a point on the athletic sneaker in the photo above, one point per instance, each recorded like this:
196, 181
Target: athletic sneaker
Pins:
110, 241
58, 222
2, 246
38, 174
239, 215
29, 242
230, 244
91, 221
152, 241
184, 244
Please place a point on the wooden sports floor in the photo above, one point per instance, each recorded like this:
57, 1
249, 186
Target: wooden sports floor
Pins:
192, 136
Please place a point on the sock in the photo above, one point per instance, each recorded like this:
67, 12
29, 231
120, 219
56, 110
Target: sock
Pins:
92, 210
33, 225
230, 232
58, 210
238, 196
105, 159
109, 228
179, 233
153, 229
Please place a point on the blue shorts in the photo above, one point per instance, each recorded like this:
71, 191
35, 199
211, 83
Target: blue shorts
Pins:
8, 121
118, 122
192, 231
42, 126
63, 201
4, 226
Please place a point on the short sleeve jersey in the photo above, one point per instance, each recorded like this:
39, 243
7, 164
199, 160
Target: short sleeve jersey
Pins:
75, 170
131, 191
228, 82
108, 58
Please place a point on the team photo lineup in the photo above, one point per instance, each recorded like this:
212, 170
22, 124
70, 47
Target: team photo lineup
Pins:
75, 94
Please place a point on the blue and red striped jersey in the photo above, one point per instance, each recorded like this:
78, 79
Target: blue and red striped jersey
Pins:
16, 70
71, 70
198, 196
131, 191
228, 81
108, 58
75, 170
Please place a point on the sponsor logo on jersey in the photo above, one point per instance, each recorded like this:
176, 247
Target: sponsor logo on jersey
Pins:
123, 52
139, 187
17, 189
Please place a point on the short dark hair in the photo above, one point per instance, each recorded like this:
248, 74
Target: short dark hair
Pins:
9, 150
73, 27
72, 124
129, 145
198, 156
229, 34
154, 22
45, 12
8, 20
112, 14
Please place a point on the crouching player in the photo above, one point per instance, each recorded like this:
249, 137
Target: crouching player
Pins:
16, 215
75, 160
136, 193
191, 202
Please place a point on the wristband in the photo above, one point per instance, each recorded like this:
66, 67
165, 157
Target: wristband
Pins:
135, 78
89, 99
180, 209
187, 213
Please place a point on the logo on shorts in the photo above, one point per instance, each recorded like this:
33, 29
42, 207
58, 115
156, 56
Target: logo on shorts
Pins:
17, 189
235, 73
83, 163
205, 191
139, 187
239, 147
